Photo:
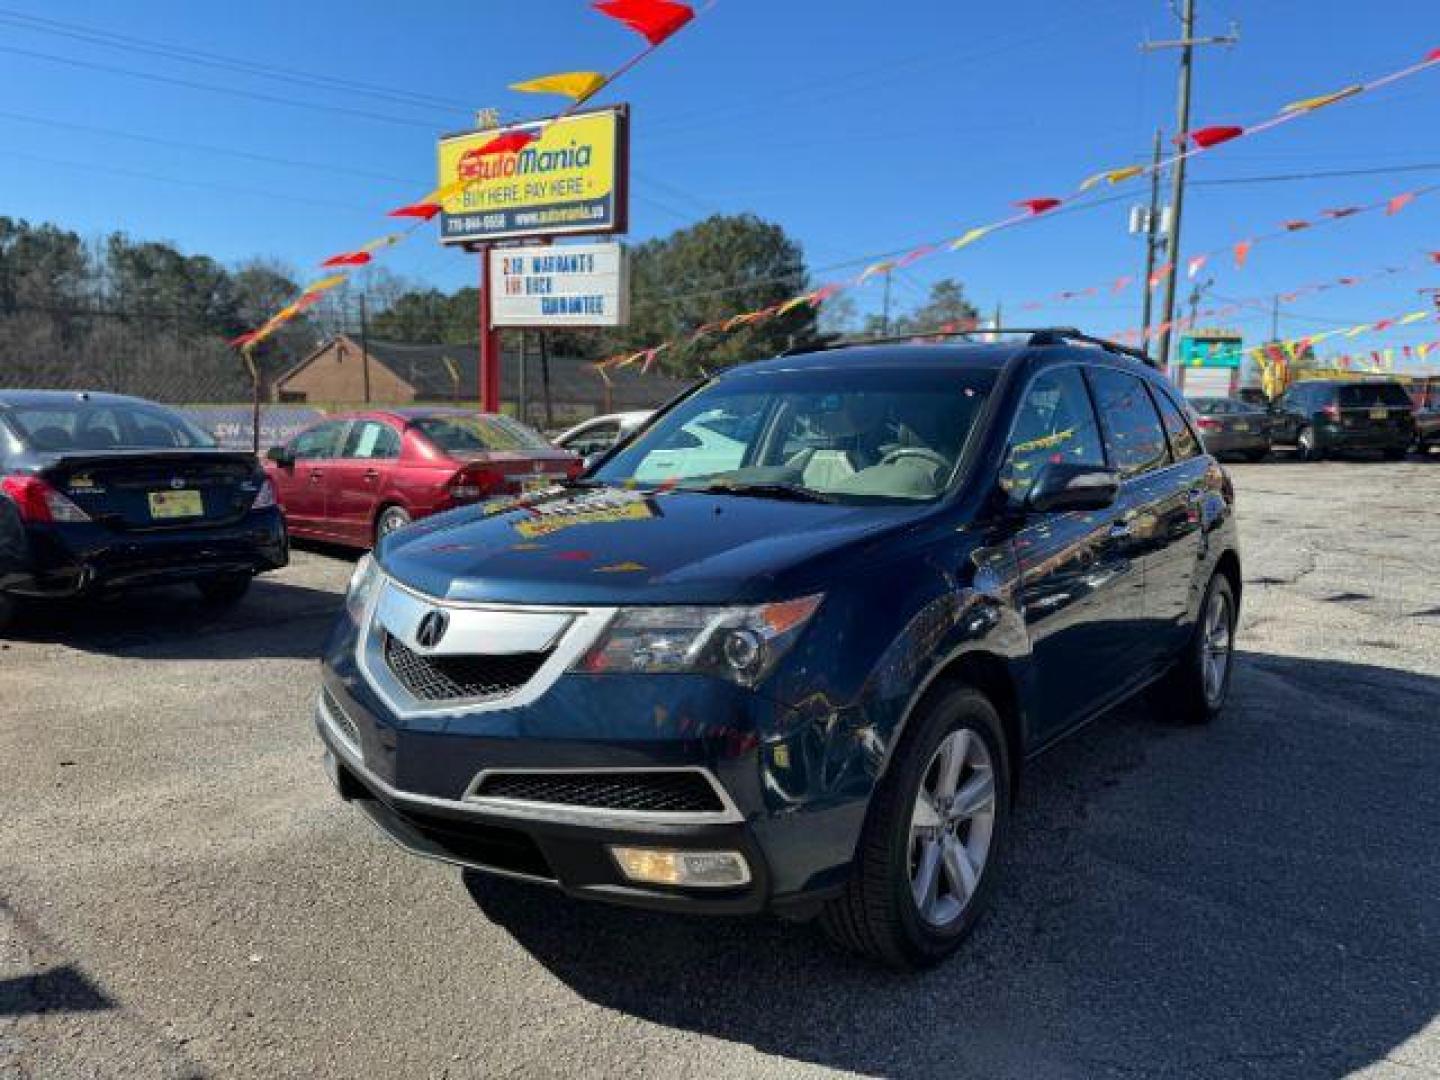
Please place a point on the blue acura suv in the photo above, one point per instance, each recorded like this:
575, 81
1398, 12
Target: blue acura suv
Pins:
788, 646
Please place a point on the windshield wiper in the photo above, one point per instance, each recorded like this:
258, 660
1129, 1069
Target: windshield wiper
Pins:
771, 490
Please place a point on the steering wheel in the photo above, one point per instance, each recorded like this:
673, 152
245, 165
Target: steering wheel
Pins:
921, 452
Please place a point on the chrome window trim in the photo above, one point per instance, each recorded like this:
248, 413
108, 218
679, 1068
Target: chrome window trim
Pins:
728, 814
521, 810
571, 643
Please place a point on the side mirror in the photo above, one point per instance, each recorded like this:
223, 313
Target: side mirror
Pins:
281, 456
1062, 486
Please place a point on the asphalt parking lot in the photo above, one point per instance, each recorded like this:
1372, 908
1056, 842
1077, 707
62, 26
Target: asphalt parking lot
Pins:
182, 895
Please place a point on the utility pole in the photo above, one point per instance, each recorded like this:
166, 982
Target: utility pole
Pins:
1153, 243
1196, 294
1275, 320
365, 346
1186, 44
885, 309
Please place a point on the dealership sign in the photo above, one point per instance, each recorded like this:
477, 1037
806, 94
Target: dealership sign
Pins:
571, 180
561, 285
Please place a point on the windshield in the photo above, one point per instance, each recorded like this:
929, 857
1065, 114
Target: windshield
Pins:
833, 435
67, 426
1374, 395
462, 434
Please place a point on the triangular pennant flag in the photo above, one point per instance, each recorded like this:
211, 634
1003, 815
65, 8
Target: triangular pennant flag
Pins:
576, 85
1399, 202
1242, 252
654, 20
1433, 56
248, 338
969, 238
1112, 176
1341, 212
1159, 275
324, 283
1312, 103
1423, 349
1122, 282
510, 142
883, 267
1207, 137
914, 256
1414, 317
1193, 267
795, 302
1038, 206
1356, 331
349, 258
1296, 225
423, 210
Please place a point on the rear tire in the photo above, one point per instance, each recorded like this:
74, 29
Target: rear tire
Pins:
391, 519
1256, 456
1197, 687
1308, 447
224, 590
1395, 454
926, 862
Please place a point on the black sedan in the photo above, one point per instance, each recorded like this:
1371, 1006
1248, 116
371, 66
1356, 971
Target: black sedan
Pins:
101, 492
1231, 427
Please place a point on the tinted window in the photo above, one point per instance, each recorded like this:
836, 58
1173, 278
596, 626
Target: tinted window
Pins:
476, 434
372, 440
319, 443
79, 425
1183, 443
595, 439
1374, 395
1133, 434
855, 436
1055, 423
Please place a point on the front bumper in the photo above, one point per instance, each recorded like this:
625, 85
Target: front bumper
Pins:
545, 845
77, 559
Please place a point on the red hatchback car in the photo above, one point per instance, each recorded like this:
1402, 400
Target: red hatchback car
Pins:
351, 479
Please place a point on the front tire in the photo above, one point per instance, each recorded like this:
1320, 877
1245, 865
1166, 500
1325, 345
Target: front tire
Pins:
392, 519
925, 866
1197, 687
1308, 446
224, 590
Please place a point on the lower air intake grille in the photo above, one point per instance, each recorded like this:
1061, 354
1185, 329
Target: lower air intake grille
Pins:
679, 792
455, 678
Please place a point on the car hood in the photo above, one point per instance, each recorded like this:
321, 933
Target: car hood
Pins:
608, 546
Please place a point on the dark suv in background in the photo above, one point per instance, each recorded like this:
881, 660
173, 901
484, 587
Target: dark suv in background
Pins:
801, 668
1323, 417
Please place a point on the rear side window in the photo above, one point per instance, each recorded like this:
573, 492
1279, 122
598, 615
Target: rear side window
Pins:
465, 434
1374, 395
1133, 433
1183, 443
1055, 423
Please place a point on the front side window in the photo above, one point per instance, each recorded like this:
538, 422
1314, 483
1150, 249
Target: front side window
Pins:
320, 443
845, 436
1183, 443
371, 440
1133, 433
81, 426
1055, 423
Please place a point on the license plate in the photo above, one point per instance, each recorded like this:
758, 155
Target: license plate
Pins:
1242, 426
1379, 414
176, 504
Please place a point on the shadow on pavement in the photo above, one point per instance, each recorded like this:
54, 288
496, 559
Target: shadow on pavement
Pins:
1258, 897
59, 990
276, 619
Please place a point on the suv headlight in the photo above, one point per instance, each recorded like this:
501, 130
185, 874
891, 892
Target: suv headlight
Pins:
742, 644
363, 583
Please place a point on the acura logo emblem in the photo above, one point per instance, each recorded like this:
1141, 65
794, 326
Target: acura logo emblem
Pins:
432, 629
177, 483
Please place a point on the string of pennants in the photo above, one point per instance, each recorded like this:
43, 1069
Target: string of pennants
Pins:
1198, 141
654, 20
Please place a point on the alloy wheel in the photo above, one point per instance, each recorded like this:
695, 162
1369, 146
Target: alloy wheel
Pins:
1216, 646
951, 826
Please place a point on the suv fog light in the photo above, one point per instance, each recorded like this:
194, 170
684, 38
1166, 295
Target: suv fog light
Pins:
657, 866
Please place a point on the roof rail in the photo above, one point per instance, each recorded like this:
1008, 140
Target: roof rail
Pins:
1041, 335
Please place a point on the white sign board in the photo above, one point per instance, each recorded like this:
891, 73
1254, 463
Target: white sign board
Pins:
562, 285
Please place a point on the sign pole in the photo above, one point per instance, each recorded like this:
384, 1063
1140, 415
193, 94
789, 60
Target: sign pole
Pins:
489, 340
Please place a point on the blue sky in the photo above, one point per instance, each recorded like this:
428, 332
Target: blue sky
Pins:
862, 127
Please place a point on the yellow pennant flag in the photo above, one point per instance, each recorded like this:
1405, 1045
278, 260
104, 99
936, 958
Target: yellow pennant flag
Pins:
1356, 331
969, 238
1414, 317
323, 284
879, 268
446, 192
1424, 349
1322, 335
1112, 176
1320, 101
576, 85
794, 302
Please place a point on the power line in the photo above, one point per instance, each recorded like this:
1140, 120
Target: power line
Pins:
186, 55
1432, 166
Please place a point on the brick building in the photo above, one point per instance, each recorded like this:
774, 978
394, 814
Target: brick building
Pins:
335, 375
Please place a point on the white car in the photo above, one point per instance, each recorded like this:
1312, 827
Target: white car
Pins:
600, 433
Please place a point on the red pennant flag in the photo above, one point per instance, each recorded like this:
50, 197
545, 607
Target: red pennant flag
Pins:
244, 339
1341, 212
424, 211
654, 20
1121, 283
914, 256
1214, 136
1435, 255
1433, 57
1038, 206
1399, 202
1242, 252
1346, 281
509, 143
1383, 324
1296, 226
1159, 274
349, 258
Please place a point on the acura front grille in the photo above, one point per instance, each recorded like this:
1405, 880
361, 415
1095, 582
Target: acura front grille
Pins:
460, 677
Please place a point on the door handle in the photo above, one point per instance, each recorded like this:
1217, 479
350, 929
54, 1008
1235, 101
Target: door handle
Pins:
372, 474
316, 475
